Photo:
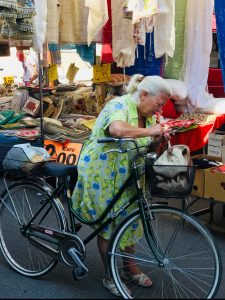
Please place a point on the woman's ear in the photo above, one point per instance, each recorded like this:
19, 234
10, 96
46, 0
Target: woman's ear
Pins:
143, 94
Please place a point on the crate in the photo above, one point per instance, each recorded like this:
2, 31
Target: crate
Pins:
215, 185
162, 186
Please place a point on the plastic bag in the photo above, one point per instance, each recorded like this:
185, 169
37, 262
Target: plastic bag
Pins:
25, 158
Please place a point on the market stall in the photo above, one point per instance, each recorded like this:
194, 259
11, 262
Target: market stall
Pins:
135, 39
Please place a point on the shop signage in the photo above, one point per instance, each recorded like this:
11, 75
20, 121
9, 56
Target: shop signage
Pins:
67, 153
9, 80
101, 73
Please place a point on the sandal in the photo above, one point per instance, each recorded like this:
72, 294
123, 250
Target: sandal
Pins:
111, 287
141, 279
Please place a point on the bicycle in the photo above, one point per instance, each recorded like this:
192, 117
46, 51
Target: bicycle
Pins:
174, 249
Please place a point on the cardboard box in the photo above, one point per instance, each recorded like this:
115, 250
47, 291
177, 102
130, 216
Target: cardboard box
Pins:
216, 138
214, 185
215, 151
198, 188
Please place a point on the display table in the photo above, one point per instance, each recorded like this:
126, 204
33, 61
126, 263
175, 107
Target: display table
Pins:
197, 138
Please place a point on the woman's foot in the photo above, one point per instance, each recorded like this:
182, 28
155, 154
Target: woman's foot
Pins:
137, 277
111, 287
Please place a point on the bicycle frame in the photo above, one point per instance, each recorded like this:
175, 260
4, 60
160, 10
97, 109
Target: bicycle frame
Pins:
103, 220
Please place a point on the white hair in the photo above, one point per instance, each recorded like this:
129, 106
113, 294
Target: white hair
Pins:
153, 85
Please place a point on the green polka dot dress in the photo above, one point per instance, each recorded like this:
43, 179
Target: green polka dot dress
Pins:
101, 175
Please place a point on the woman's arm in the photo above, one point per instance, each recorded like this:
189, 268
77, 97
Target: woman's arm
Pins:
123, 129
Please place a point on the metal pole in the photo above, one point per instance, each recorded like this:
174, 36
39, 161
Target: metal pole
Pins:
41, 98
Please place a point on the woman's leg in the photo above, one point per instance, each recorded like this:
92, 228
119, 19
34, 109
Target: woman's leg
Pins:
103, 248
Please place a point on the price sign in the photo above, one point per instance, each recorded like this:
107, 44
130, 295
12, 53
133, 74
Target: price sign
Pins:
66, 153
71, 73
101, 73
9, 80
53, 72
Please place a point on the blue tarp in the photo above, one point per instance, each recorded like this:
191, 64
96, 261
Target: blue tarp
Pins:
220, 25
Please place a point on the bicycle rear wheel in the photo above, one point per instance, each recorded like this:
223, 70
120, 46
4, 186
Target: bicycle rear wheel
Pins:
190, 265
16, 209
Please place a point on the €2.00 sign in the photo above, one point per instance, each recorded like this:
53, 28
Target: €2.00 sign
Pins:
66, 153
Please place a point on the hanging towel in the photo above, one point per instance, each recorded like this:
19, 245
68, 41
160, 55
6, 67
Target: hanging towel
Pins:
198, 46
164, 27
53, 17
73, 22
40, 25
122, 31
173, 68
97, 18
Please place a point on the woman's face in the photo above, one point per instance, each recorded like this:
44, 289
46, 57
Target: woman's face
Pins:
149, 105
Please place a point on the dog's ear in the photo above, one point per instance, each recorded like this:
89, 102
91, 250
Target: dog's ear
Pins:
184, 151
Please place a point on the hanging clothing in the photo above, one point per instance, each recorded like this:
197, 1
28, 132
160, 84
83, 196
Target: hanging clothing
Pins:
40, 25
198, 46
106, 55
122, 32
164, 27
73, 22
173, 68
146, 63
142, 9
97, 18
87, 53
53, 17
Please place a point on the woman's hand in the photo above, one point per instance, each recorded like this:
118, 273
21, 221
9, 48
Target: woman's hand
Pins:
160, 130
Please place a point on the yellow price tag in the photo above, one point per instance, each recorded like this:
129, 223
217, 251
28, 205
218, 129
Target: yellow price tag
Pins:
53, 72
101, 73
9, 80
71, 73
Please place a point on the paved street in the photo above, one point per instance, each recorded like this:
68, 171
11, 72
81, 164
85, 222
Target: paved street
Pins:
59, 284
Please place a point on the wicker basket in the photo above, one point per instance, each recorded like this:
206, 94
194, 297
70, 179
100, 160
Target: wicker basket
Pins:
161, 186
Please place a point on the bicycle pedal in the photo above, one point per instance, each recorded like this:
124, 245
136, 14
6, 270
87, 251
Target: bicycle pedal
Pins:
79, 273
78, 226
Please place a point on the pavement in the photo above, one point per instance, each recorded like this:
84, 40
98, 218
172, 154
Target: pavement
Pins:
59, 283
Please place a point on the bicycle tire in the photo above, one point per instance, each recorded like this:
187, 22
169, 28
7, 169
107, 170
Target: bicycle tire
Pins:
190, 269
21, 255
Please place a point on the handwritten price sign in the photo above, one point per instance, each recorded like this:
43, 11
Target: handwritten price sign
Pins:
9, 80
71, 73
66, 153
101, 73
53, 72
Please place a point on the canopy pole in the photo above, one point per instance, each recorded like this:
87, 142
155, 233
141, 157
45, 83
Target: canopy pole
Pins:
41, 98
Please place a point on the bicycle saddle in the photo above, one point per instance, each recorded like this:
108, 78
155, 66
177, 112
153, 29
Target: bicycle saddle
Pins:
57, 169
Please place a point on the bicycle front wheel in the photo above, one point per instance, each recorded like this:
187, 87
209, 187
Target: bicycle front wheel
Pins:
187, 263
16, 209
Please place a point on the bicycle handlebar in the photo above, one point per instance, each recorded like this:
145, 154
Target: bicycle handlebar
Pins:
120, 141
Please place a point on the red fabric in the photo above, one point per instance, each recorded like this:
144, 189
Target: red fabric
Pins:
197, 138
107, 56
107, 29
20, 55
169, 111
213, 23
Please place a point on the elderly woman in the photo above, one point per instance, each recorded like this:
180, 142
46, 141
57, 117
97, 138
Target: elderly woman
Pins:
100, 176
